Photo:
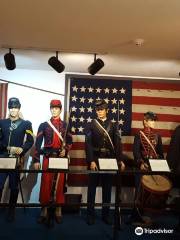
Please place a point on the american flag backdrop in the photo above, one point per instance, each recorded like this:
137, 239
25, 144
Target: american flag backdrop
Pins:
3, 99
127, 101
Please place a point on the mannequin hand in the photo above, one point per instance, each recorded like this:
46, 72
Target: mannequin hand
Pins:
62, 153
122, 166
93, 166
144, 167
37, 166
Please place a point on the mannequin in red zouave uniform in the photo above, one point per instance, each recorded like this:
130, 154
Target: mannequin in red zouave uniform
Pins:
53, 147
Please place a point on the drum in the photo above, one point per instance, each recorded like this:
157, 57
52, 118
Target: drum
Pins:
154, 191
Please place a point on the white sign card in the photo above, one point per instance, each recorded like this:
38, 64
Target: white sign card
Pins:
108, 164
8, 163
159, 165
58, 163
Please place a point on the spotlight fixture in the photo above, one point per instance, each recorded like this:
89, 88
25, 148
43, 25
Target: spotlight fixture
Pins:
95, 66
56, 64
9, 60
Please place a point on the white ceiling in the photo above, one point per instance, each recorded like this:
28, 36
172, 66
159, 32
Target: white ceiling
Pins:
37, 28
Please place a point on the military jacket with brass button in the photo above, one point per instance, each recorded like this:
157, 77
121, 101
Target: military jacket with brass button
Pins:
97, 143
142, 150
12, 133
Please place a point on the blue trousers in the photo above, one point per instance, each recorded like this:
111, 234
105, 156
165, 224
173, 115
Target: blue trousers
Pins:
106, 182
13, 184
13, 177
13, 180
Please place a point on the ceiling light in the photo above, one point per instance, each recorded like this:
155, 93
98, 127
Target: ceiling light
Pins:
95, 66
9, 60
56, 64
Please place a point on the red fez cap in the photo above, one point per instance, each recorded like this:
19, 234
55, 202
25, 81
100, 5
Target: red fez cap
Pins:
55, 103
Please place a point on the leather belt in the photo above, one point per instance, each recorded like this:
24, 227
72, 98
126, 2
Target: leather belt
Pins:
101, 150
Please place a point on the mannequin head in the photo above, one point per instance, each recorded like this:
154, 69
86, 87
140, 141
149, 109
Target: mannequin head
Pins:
14, 108
150, 119
55, 108
101, 108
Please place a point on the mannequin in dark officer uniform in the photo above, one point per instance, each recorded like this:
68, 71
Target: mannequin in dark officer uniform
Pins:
173, 154
98, 145
173, 158
12, 134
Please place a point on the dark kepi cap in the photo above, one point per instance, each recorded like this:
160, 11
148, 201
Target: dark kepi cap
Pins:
100, 104
150, 116
55, 103
14, 103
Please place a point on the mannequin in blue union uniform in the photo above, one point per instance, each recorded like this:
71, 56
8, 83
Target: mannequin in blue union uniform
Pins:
13, 143
102, 141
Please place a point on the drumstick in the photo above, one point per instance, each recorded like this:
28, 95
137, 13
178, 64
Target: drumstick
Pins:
152, 175
154, 180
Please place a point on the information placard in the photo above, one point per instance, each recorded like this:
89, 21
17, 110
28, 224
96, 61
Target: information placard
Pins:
158, 165
8, 163
58, 163
108, 164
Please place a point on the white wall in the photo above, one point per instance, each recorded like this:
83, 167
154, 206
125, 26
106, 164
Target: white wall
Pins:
35, 104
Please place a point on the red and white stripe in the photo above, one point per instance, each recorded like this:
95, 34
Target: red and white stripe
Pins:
3, 99
161, 98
